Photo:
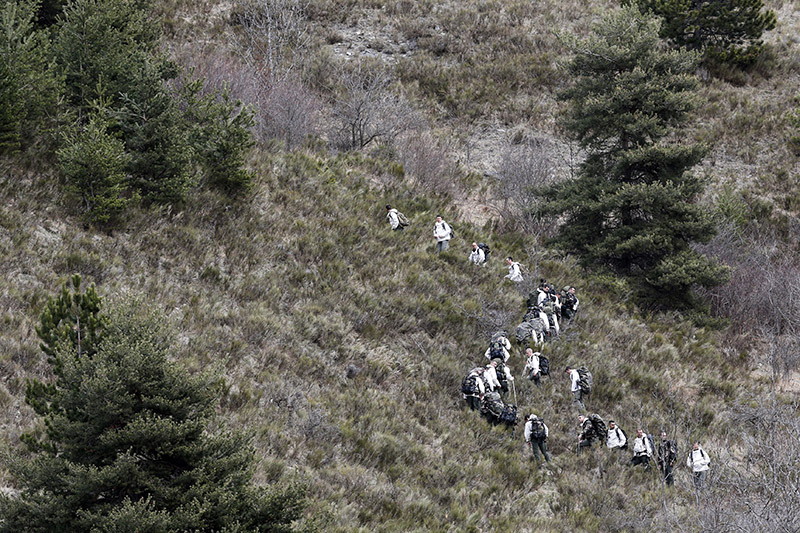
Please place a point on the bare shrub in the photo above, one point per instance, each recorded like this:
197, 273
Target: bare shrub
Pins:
289, 111
764, 290
523, 171
274, 35
759, 491
427, 161
367, 110
285, 108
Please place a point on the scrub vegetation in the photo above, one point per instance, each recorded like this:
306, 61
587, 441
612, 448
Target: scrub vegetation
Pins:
231, 189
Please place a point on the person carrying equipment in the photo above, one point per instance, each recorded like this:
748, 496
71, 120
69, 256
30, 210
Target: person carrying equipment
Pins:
536, 433
473, 388
532, 366
499, 347
642, 449
477, 256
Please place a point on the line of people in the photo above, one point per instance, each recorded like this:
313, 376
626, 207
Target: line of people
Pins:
444, 232
644, 448
547, 309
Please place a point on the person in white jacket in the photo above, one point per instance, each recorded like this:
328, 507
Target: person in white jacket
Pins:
575, 387
532, 369
442, 232
394, 220
617, 440
543, 293
642, 450
536, 433
699, 462
490, 374
477, 256
514, 270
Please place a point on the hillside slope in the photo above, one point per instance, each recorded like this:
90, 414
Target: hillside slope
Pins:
343, 346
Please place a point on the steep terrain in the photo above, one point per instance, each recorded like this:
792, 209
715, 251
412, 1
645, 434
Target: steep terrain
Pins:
342, 344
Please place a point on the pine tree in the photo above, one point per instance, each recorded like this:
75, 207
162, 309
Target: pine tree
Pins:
725, 31
128, 447
93, 164
632, 208
108, 52
29, 85
221, 137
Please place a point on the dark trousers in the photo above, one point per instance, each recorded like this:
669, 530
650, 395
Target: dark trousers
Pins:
641, 460
474, 403
584, 444
536, 378
666, 473
540, 445
699, 479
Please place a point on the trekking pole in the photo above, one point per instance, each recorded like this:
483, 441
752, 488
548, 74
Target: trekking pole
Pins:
514, 388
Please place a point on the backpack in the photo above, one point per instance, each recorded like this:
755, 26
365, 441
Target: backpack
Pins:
548, 307
537, 429
486, 251
509, 415
585, 382
524, 332
496, 352
470, 386
544, 365
649, 437
600, 428
533, 300
492, 406
672, 451
567, 300
497, 336
403, 219
620, 430
501, 376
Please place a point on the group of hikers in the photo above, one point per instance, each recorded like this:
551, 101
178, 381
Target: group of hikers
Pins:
484, 386
547, 311
665, 453
443, 233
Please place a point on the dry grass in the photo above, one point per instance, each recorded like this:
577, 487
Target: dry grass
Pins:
343, 345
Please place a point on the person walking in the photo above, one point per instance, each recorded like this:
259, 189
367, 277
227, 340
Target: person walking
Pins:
617, 439
393, 216
476, 256
442, 232
532, 369
642, 450
699, 462
575, 387
536, 433
514, 270
666, 457
587, 435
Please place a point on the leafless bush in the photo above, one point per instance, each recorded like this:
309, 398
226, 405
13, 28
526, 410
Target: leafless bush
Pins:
427, 161
289, 111
285, 108
759, 491
367, 110
764, 290
783, 356
524, 170
274, 35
